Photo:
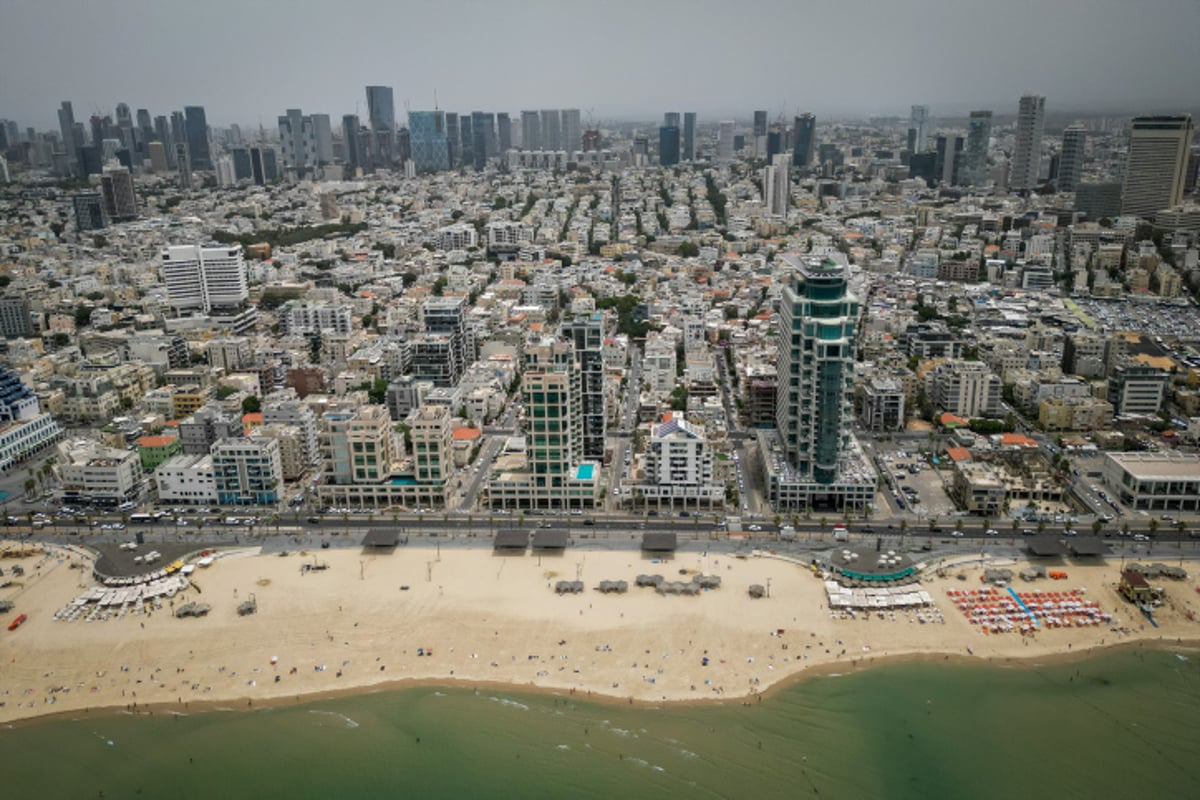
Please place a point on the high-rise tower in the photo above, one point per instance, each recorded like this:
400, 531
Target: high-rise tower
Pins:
1155, 169
689, 136
919, 126
197, 137
974, 168
1027, 154
1070, 160
804, 140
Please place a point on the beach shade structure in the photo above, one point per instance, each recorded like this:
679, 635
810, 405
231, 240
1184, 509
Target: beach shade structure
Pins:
998, 575
649, 580
613, 587
1045, 547
381, 537
568, 587
1088, 546
5, 606
660, 542
511, 540
708, 581
550, 539
757, 591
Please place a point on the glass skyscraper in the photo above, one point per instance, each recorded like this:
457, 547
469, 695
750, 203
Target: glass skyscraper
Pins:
430, 144
197, 137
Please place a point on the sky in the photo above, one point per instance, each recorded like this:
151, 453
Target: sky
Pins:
248, 60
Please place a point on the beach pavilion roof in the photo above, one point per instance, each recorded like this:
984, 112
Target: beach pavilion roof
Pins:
550, 539
381, 537
1046, 546
665, 541
511, 540
1088, 546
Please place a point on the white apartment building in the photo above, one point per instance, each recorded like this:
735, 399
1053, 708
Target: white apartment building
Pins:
505, 233
659, 364
459, 236
964, 388
92, 473
203, 277
186, 479
679, 466
305, 318
247, 471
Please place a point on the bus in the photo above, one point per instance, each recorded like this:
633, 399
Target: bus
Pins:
141, 519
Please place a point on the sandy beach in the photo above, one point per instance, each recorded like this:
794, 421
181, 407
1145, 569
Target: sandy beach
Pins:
489, 619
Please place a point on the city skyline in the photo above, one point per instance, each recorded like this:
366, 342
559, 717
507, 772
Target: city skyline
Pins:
1086, 71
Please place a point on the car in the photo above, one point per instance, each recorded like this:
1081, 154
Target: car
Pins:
1070, 532
991, 532
181, 523
755, 527
314, 520
867, 529
1027, 532
957, 534
589, 521
1141, 537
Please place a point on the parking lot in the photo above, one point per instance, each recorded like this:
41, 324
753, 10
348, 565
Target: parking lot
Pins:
910, 483
1155, 319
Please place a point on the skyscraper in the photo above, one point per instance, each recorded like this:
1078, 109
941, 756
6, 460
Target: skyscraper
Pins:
1070, 161
453, 141
162, 131
760, 123
323, 134
777, 185
298, 142
671, 119
503, 132
466, 142
948, 159
919, 126
550, 130
66, 125
1027, 154
1155, 169
531, 131
89, 211
120, 198
668, 146
725, 140
816, 322
381, 118
804, 139
197, 137
975, 161
483, 137
689, 136
350, 139
572, 131
430, 144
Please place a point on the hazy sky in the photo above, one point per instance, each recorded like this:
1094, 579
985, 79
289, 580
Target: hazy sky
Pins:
248, 60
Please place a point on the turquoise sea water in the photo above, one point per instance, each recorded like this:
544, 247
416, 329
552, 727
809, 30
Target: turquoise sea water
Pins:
1123, 724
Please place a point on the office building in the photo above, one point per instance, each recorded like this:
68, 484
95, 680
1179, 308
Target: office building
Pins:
120, 198
89, 211
263, 165
1156, 165
381, 119
811, 459
947, 159
323, 134
1137, 389
156, 152
298, 142
920, 124
551, 138
303, 318
586, 333
974, 170
24, 429
208, 423
804, 138
1070, 160
504, 132
247, 471
204, 277
350, 128
483, 138
725, 143
531, 131
1027, 153
196, 130
777, 185
242, 168
572, 131
882, 406
1154, 482
183, 164
16, 317
71, 145
760, 123
466, 142
429, 140
689, 136
668, 146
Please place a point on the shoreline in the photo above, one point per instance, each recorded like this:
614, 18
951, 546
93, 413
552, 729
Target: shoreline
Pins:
233, 704
495, 620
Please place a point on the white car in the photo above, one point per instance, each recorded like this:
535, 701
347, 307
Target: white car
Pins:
992, 532
756, 527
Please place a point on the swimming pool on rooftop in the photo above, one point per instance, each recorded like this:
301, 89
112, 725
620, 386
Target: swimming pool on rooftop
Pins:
584, 472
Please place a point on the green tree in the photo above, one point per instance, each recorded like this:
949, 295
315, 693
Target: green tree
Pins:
251, 405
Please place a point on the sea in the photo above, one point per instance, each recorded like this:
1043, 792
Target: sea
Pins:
1125, 723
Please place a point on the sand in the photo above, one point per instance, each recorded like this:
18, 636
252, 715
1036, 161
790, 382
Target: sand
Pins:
495, 620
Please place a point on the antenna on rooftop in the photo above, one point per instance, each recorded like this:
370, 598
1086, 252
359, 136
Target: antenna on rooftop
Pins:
435, 105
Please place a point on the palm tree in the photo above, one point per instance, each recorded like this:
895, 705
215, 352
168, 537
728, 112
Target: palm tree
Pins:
1153, 525
1097, 526
1016, 523
1041, 525
30, 483
958, 524
903, 527
1125, 527
986, 524
275, 519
